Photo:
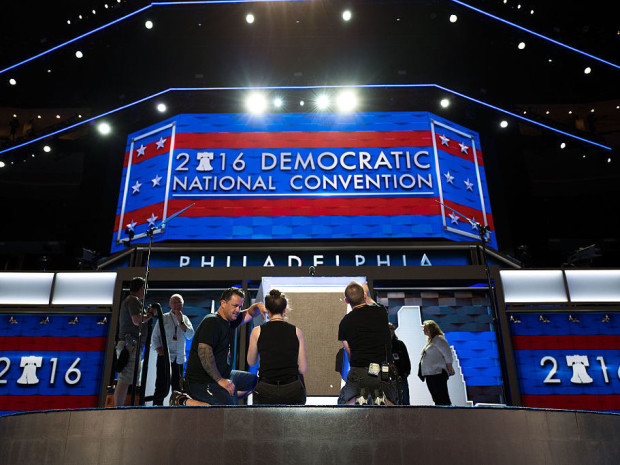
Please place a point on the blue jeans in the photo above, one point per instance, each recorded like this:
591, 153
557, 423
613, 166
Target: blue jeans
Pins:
214, 394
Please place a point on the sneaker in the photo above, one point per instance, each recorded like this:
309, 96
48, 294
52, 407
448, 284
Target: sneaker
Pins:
379, 398
178, 398
362, 399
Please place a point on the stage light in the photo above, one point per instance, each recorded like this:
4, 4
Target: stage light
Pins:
609, 160
161, 107
79, 54
148, 24
563, 145
104, 129
503, 124
347, 15
249, 18
277, 102
2, 164
454, 18
68, 21
521, 45
322, 102
588, 70
47, 149
256, 103
301, 103
444, 102
57, 116
347, 101
13, 82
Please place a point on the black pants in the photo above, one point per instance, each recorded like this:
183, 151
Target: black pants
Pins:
161, 389
438, 387
279, 394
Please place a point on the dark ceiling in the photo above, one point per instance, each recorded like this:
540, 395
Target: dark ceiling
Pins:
548, 202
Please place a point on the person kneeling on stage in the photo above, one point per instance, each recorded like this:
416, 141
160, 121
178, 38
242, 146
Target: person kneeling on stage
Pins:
209, 374
366, 338
282, 352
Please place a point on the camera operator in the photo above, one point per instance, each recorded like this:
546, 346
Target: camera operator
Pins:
128, 332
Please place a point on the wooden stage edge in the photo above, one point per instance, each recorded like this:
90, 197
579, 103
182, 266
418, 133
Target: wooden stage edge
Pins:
318, 435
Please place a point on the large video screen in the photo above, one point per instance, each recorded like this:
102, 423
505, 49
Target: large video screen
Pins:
568, 361
303, 176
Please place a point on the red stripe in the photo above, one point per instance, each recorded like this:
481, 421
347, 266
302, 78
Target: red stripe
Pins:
34, 402
573, 402
307, 140
566, 342
64, 344
273, 207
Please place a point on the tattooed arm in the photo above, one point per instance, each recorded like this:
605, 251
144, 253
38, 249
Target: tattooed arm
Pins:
207, 359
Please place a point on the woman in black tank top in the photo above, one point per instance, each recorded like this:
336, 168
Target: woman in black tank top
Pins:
282, 351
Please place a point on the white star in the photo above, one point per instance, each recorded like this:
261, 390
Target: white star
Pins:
156, 180
469, 185
141, 150
160, 143
131, 225
136, 187
474, 224
449, 178
444, 140
464, 148
454, 218
152, 219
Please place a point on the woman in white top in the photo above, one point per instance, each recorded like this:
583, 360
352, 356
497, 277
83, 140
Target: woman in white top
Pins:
436, 363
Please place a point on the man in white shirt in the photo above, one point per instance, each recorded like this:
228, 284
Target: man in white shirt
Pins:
178, 328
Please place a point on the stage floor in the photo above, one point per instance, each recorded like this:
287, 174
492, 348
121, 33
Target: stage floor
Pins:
318, 435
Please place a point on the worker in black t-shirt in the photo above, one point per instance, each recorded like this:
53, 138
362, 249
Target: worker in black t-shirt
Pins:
365, 335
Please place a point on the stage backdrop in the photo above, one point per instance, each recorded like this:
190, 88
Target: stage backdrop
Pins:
303, 176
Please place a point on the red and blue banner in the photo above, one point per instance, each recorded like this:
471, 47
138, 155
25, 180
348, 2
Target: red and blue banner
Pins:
303, 176
51, 362
568, 361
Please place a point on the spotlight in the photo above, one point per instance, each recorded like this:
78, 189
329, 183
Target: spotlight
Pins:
161, 107
521, 45
503, 124
301, 103
104, 129
563, 145
588, 70
322, 102
454, 18
256, 103
79, 54
47, 149
2, 164
347, 15
277, 102
347, 101
249, 18
12, 82
148, 24
445, 103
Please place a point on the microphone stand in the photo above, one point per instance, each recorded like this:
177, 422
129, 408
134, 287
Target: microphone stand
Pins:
482, 231
149, 232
